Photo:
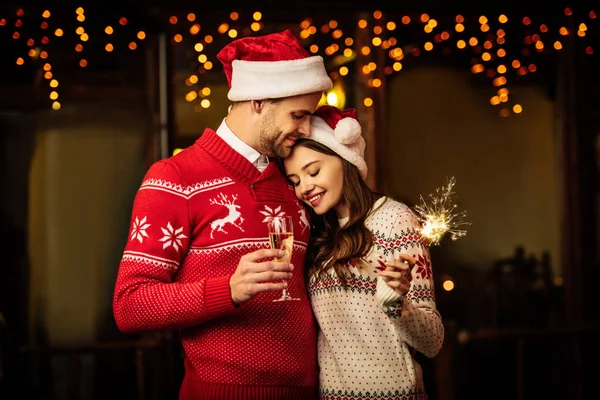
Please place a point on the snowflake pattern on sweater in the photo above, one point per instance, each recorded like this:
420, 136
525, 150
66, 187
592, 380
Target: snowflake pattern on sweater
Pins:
368, 331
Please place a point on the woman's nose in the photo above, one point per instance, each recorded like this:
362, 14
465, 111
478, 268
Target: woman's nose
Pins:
306, 188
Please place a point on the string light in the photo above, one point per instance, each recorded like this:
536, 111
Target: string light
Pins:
195, 29
489, 51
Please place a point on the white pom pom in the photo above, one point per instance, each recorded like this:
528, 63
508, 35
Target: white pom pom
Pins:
347, 131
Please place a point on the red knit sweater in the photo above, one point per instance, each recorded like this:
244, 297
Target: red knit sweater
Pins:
194, 216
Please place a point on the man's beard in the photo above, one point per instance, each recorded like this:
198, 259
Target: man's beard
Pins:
269, 136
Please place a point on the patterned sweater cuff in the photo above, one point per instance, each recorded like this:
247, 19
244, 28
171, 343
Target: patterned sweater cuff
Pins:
218, 296
385, 295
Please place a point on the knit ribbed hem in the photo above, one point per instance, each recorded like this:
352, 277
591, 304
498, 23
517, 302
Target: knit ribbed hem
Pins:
385, 295
271, 185
267, 186
218, 296
224, 153
220, 391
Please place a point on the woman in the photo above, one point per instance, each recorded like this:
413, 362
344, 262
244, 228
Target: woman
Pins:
373, 310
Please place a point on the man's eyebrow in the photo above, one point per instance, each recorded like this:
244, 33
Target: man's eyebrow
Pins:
303, 112
305, 167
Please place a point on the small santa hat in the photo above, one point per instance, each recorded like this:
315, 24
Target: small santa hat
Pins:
271, 67
340, 131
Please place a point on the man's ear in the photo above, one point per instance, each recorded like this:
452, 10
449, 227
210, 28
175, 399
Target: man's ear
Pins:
257, 105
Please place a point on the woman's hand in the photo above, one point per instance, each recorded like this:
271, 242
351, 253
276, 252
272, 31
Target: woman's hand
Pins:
397, 274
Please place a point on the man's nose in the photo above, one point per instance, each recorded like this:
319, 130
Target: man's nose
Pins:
304, 128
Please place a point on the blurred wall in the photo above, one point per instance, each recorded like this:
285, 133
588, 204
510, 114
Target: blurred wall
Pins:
86, 168
439, 124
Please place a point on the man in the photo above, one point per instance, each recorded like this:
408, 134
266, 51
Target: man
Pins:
197, 257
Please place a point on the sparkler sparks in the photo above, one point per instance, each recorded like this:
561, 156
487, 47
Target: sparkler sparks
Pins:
440, 216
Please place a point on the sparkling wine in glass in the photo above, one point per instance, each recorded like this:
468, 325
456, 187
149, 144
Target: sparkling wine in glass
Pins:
281, 236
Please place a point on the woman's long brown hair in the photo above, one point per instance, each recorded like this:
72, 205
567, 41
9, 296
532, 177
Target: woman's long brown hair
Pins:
332, 246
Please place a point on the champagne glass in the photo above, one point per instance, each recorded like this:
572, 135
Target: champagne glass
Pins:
281, 236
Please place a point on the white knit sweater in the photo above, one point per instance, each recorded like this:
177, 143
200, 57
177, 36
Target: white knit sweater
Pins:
367, 331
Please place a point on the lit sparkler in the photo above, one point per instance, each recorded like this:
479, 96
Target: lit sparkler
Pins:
440, 216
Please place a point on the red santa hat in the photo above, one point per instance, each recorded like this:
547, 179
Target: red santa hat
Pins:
340, 131
271, 67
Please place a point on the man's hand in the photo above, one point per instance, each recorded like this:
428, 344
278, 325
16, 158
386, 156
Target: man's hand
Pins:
252, 277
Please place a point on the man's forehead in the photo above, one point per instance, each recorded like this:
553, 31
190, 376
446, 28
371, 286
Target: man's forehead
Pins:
305, 102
